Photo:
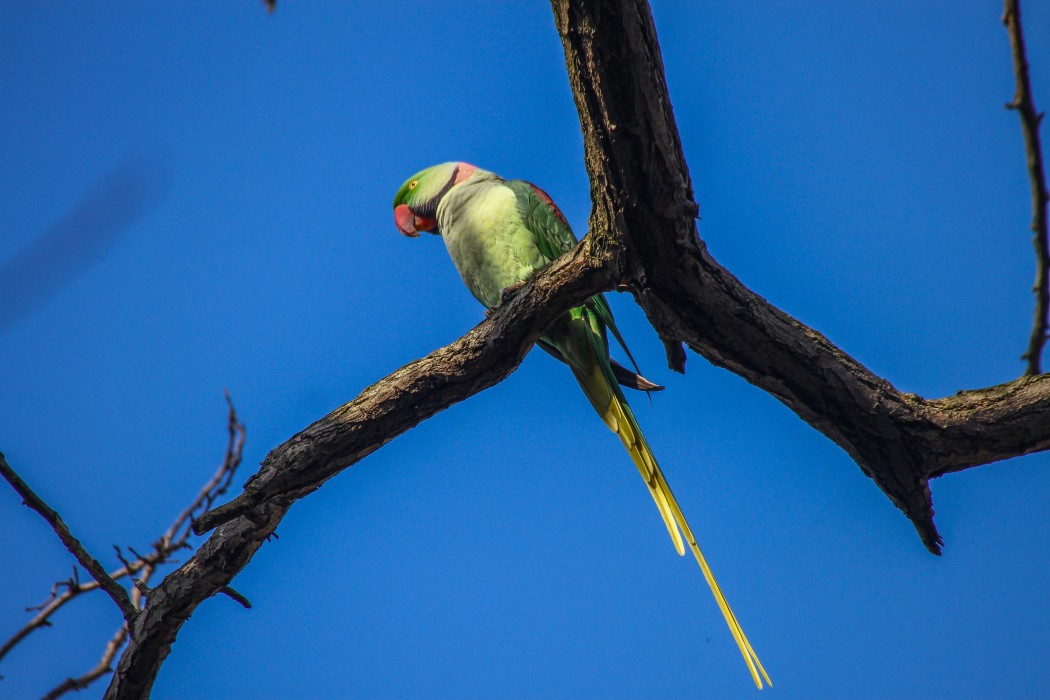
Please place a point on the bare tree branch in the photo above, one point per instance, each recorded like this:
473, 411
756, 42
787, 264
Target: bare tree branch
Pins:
1030, 120
235, 596
105, 663
173, 539
111, 587
72, 588
641, 189
478, 360
217, 485
482, 358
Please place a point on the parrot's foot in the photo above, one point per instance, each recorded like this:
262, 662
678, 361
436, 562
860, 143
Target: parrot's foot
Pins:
508, 293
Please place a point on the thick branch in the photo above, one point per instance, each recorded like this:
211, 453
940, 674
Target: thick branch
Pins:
1030, 120
641, 185
111, 587
480, 359
418, 390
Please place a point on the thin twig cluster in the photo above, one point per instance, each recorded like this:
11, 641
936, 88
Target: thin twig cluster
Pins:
139, 567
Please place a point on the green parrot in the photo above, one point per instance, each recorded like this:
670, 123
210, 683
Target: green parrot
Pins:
498, 233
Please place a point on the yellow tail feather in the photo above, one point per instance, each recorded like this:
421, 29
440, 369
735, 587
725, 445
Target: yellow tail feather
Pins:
621, 421
619, 424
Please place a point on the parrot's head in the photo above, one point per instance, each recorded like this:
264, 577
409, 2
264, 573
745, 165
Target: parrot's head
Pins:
416, 202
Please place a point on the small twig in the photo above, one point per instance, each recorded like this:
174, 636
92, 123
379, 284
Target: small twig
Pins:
138, 557
111, 587
220, 481
226, 590
1030, 120
40, 619
120, 557
70, 583
105, 664
73, 589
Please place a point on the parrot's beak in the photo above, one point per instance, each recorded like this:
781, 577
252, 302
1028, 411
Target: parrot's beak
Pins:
410, 223
405, 220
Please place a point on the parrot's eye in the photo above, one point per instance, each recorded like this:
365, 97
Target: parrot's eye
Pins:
412, 185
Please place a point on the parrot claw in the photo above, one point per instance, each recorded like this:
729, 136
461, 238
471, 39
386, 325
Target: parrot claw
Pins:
508, 293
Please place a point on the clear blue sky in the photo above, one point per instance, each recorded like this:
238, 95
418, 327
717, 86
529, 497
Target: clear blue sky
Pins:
854, 165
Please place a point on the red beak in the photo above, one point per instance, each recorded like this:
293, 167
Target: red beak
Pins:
405, 220
409, 223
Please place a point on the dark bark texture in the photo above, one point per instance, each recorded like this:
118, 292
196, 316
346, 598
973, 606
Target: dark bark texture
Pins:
643, 235
643, 194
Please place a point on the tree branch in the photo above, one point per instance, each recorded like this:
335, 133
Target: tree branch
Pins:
109, 652
173, 539
642, 189
236, 597
111, 587
480, 359
57, 600
1030, 120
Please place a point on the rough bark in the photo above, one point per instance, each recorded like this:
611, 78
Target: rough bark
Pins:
641, 187
642, 234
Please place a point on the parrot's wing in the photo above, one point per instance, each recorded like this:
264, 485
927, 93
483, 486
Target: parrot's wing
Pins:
554, 238
542, 217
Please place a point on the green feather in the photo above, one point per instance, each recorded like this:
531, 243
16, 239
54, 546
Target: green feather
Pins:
554, 238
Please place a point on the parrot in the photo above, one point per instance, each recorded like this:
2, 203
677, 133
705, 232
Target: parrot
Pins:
500, 232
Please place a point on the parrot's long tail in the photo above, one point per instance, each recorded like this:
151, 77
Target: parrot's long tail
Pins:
583, 345
621, 421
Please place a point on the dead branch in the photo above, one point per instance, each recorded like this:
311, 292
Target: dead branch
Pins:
235, 596
105, 663
480, 359
1030, 120
173, 539
216, 486
642, 191
402, 400
111, 587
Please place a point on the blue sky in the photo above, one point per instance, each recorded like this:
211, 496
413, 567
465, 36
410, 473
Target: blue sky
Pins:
854, 165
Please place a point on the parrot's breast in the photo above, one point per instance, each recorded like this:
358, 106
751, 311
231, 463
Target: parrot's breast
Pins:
487, 239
